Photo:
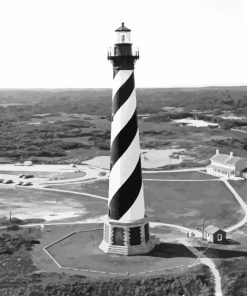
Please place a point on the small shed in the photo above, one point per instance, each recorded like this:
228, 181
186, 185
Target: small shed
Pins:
214, 235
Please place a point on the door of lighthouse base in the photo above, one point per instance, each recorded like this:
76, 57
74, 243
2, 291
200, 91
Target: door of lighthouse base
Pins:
127, 238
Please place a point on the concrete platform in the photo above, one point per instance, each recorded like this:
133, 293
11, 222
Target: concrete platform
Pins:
80, 251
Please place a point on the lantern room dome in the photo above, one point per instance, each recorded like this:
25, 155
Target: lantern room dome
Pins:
122, 29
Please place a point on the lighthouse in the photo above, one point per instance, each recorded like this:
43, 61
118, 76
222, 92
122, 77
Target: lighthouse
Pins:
126, 229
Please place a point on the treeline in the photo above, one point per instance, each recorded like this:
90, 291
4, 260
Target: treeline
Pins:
235, 276
11, 243
168, 285
151, 100
50, 140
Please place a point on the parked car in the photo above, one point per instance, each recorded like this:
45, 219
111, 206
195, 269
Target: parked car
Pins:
28, 176
9, 181
27, 184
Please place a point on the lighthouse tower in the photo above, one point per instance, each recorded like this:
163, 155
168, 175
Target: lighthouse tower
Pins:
126, 230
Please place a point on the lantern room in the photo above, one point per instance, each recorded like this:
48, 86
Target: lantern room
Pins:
123, 35
122, 54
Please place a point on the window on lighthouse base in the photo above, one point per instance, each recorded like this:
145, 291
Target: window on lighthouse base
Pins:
118, 236
135, 236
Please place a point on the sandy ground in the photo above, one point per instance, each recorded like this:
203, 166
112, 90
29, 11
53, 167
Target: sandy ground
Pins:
150, 159
194, 122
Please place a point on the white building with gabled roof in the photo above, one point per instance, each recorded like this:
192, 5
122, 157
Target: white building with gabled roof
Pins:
226, 165
215, 235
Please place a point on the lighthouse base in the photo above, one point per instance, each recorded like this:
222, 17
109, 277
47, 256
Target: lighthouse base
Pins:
127, 238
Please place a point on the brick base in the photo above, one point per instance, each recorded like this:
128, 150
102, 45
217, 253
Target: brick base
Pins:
127, 238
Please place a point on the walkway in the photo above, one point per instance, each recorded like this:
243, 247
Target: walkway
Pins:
238, 130
71, 192
182, 228
42, 225
174, 180
177, 170
242, 204
206, 261
216, 274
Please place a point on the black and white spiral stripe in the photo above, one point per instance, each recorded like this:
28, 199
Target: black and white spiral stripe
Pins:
126, 200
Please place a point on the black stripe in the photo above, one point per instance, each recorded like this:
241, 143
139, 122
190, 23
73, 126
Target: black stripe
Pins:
123, 140
123, 93
126, 195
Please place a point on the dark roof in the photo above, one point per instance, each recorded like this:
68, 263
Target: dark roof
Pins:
233, 160
122, 29
212, 229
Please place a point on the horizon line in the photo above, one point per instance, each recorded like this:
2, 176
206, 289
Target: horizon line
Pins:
107, 88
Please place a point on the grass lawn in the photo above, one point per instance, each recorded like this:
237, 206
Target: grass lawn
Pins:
183, 203
178, 176
186, 203
95, 187
101, 187
48, 236
241, 188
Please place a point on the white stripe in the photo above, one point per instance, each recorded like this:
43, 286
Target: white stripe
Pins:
124, 167
123, 115
121, 77
137, 210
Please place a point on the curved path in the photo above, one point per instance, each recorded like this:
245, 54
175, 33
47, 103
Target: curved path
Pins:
71, 192
239, 130
242, 204
216, 274
179, 227
201, 258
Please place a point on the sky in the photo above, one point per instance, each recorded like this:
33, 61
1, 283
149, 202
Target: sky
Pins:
63, 43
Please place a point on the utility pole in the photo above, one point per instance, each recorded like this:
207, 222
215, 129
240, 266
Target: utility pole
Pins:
203, 227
